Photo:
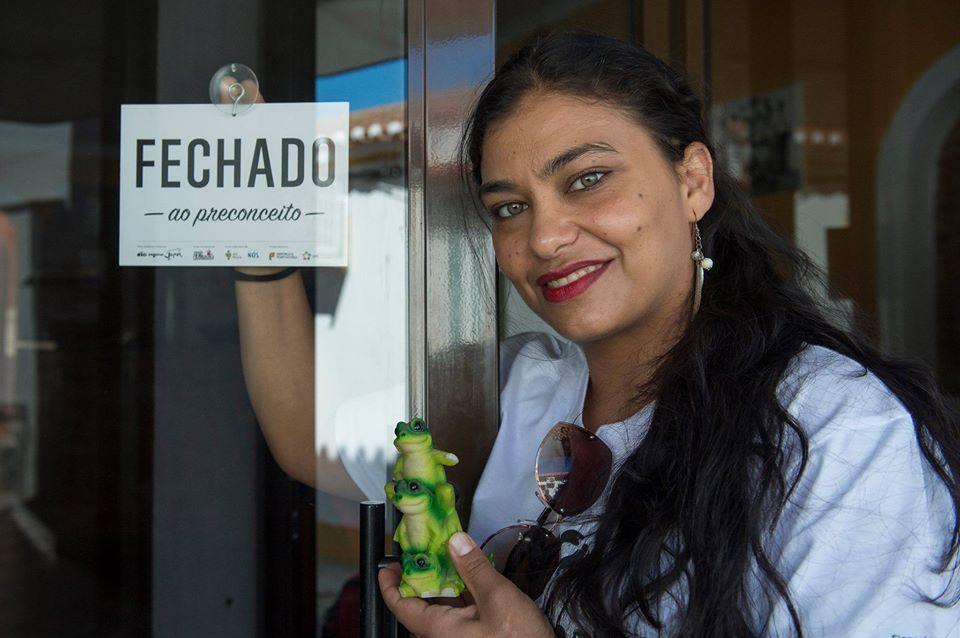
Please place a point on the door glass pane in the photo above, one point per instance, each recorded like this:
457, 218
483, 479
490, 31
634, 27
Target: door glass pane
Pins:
76, 379
361, 327
137, 494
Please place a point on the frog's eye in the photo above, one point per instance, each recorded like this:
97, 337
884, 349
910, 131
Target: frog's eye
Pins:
421, 562
414, 486
417, 425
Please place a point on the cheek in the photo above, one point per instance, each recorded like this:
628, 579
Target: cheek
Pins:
651, 236
620, 211
663, 260
508, 249
622, 223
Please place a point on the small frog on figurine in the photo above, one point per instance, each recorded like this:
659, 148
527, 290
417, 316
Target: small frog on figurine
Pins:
429, 519
424, 575
417, 458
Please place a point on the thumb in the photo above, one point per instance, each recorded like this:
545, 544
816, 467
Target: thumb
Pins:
474, 568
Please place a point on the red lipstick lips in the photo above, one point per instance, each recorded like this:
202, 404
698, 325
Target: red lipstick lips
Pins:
573, 288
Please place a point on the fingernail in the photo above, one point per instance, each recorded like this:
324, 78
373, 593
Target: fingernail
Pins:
462, 543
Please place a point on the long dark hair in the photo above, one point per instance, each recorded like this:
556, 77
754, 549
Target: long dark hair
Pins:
693, 503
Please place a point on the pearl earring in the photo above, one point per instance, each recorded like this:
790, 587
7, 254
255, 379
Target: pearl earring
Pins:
703, 263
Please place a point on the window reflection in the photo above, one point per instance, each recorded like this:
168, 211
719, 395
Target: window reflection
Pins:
360, 322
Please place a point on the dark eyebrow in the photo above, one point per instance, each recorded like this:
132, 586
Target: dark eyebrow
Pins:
567, 156
497, 186
551, 168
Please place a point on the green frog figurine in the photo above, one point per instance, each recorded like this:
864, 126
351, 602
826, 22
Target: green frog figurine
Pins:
425, 576
428, 502
417, 457
429, 519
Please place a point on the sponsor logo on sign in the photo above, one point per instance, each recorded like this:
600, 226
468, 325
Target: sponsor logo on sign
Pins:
253, 254
161, 254
203, 255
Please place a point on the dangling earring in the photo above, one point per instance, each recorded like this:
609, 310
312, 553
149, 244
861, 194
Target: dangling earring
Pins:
703, 263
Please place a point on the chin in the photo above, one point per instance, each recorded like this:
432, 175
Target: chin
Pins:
576, 320
582, 332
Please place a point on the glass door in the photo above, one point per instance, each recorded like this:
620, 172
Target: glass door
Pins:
360, 311
77, 378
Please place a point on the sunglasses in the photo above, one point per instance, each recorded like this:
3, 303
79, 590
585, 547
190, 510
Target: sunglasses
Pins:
571, 471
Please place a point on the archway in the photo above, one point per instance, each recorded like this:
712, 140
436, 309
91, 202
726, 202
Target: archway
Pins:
906, 210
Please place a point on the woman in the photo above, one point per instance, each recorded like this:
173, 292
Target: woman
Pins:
774, 473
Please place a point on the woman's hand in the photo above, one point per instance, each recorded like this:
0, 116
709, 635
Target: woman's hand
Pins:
499, 608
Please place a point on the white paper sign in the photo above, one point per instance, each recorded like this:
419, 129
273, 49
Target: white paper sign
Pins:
266, 188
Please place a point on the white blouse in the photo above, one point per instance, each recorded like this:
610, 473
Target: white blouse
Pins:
855, 542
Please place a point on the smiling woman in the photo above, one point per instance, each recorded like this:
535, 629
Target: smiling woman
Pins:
592, 205
773, 473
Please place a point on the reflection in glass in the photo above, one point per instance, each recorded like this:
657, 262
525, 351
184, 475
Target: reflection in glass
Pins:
360, 322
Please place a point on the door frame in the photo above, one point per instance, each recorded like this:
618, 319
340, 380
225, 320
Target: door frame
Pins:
452, 312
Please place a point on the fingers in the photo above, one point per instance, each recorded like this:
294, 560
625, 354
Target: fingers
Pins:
249, 88
498, 601
225, 83
389, 580
481, 578
416, 614
253, 88
406, 610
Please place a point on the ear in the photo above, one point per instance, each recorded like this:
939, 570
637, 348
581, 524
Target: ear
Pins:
696, 180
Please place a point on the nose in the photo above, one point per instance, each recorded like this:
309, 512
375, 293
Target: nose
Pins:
552, 228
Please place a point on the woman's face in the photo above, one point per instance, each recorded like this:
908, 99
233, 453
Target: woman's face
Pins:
590, 222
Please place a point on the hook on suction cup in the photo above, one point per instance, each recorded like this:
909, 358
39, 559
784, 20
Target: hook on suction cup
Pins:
234, 88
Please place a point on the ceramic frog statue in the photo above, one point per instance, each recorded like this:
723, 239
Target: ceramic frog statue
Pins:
424, 575
429, 519
417, 457
428, 502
